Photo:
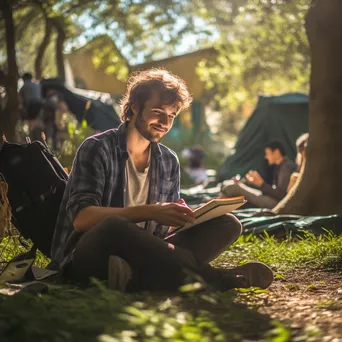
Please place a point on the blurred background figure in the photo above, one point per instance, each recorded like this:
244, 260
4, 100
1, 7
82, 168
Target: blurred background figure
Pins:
31, 106
30, 93
296, 177
301, 145
194, 168
267, 195
54, 107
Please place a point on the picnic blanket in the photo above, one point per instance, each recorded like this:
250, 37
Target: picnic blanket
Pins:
257, 221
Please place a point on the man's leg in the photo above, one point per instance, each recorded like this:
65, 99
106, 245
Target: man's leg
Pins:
209, 239
253, 196
156, 265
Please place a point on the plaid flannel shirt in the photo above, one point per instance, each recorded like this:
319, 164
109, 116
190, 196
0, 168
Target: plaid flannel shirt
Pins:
97, 179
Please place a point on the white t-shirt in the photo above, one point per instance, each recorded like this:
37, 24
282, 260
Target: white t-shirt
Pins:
137, 185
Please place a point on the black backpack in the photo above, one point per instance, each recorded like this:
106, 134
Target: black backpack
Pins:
36, 183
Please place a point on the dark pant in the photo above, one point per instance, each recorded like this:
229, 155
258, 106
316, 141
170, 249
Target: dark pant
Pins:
157, 264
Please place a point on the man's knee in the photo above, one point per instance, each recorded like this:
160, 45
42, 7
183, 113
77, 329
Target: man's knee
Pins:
230, 226
235, 225
230, 188
111, 224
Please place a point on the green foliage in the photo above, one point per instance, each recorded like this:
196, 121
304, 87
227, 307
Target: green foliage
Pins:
30, 26
279, 333
101, 315
263, 49
144, 28
107, 56
29, 18
98, 314
77, 133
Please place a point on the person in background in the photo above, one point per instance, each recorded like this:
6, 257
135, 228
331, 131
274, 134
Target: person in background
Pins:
195, 168
301, 144
30, 93
266, 195
31, 106
54, 105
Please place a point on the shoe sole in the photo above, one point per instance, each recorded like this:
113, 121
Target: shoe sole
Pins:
119, 273
257, 274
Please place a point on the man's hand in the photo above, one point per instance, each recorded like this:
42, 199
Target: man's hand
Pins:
182, 202
237, 178
254, 177
173, 214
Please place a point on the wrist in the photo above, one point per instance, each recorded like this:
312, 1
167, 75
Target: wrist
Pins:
150, 211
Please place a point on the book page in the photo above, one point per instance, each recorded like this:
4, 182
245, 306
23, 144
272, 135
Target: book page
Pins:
218, 210
216, 202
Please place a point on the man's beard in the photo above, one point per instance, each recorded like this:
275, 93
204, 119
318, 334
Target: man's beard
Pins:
142, 128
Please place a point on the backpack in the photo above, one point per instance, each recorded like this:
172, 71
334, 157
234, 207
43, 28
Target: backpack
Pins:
36, 183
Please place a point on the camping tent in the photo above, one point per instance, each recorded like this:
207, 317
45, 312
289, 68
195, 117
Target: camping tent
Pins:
282, 118
100, 116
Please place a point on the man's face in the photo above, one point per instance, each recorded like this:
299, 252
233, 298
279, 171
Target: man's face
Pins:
270, 156
155, 120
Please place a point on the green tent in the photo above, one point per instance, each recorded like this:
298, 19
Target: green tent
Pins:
282, 118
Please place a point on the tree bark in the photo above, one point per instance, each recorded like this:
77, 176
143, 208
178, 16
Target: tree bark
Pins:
41, 50
319, 192
9, 116
61, 36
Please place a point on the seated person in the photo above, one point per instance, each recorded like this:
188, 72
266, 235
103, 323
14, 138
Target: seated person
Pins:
296, 177
301, 144
194, 168
122, 198
267, 195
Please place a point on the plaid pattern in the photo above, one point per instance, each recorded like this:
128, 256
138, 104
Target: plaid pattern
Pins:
96, 179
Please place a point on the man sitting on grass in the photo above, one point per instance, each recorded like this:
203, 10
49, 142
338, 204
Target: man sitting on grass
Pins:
122, 197
266, 195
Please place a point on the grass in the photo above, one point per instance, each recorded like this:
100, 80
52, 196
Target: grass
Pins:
309, 251
97, 314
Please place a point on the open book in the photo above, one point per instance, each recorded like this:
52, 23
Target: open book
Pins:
214, 208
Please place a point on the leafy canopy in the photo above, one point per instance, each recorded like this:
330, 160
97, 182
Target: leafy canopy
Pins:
263, 49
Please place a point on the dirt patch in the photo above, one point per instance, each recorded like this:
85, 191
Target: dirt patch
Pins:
307, 302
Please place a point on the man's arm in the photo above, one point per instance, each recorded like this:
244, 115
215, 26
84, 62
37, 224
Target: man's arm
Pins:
276, 192
90, 216
173, 214
87, 183
254, 177
283, 180
87, 179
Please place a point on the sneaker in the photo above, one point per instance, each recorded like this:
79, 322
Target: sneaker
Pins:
253, 274
119, 273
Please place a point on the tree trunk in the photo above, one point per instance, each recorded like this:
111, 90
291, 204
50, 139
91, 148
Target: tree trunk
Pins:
9, 116
40, 54
59, 48
319, 192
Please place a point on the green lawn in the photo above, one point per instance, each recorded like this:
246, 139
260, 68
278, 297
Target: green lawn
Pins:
97, 314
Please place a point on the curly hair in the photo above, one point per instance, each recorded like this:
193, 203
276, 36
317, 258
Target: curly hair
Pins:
171, 88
